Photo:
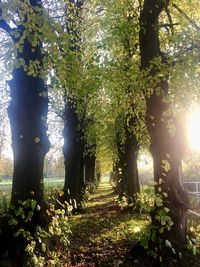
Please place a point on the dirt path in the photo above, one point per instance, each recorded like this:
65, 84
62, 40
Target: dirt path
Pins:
104, 234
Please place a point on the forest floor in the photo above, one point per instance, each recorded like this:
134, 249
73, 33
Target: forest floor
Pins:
104, 234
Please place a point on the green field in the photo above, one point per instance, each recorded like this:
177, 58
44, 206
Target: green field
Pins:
46, 181
51, 185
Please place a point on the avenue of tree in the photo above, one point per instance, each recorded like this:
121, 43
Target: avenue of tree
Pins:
116, 73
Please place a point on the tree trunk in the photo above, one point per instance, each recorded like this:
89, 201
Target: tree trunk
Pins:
114, 176
98, 171
128, 151
90, 169
28, 114
73, 149
129, 168
166, 148
128, 184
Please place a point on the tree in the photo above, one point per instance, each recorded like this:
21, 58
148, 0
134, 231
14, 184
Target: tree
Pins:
90, 169
121, 42
28, 91
74, 75
73, 147
166, 147
28, 115
73, 150
127, 169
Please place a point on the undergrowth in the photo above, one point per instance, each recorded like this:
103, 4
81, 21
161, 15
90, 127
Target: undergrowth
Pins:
101, 236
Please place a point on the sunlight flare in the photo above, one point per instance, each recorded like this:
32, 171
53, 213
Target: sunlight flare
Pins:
193, 126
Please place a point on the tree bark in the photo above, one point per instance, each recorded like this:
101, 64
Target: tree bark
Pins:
73, 149
129, 167
89, 168
166, 148
98, 171
28, 114
128, 149
128, 184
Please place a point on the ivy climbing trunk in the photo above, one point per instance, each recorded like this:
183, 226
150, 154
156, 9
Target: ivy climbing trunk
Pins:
28, 114
166, 147
73, 149
129, 156
127, 144
127, 169
89, 168
98, 171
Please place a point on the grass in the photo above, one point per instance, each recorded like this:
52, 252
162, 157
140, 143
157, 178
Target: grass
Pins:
47, 181
5, 182
104, 234
51, 186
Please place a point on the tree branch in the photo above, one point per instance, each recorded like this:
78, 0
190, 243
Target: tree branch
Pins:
185, 50
167, 26
170, 19
186, 16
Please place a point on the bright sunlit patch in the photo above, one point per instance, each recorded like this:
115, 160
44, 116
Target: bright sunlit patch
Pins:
193, 126
137, 229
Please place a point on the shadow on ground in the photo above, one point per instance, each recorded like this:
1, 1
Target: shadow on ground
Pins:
103, 235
